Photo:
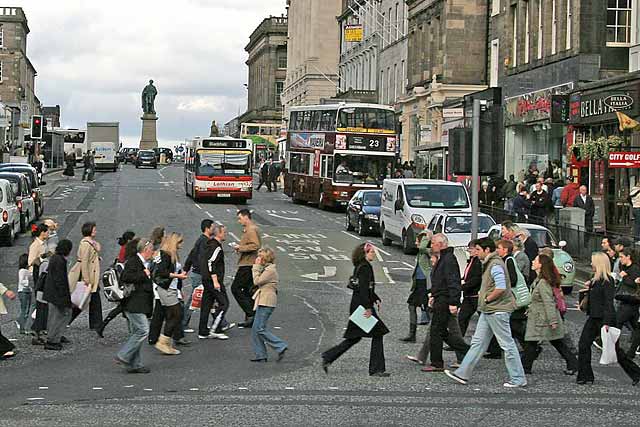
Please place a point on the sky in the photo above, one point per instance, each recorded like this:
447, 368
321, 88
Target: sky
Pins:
94, 58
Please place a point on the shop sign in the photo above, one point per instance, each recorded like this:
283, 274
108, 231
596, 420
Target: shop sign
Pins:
307, 140
353, 33
534, 106
624, 160
603, 106
452, 113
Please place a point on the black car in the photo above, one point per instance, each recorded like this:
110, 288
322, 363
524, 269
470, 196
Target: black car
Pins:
129, 155
363, 212
166, 151
146, 158
32, 175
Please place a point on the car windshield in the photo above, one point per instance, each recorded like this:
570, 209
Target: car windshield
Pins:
366, 118
212, 163
543, 238
436, 196
372, 199
146, 154
462, 224
360, 169
26, 172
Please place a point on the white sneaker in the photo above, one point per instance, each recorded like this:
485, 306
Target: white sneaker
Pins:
454, 377
218, 336
638, 353
189, 331
229, 326
511, 385
204, 337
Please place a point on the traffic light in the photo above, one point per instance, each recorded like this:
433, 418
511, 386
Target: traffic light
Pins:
36, 127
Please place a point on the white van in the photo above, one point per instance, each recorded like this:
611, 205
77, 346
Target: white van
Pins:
409, 204
105, 155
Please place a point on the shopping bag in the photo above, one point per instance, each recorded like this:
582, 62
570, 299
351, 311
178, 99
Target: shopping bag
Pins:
609, 339
196, 298
80, 295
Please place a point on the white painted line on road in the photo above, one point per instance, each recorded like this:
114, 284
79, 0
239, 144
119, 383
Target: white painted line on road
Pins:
198, 206
234, 236
147, 389
289, 388
96, 388
378, 256
386, 273
383, 251
194, 389
350, 235
407, 264
277, 327
287, 218
334, 388
312, 329
243, 388
208, 214
43, 388
129, 386
76, 211
218, 222
13, 339
35, 398
402, 268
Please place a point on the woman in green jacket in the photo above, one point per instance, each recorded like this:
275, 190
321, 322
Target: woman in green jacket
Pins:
544, 322
421, 282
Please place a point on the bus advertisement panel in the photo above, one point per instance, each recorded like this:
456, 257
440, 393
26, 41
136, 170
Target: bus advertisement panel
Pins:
335, 150
219, 168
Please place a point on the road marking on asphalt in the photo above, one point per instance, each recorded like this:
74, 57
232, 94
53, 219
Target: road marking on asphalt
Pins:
407, 264
147, 389
289, 388
277, 327
13, 339
194, 389
383, 251
328, 272
198, 206
208, 214
234, 236
312, 329
285, 217
76, 211
35, 398
334, 388
378, 256
243, 388
129, 386
386, 273
350, 235
218, 222
96, 388
43, 388
402, 268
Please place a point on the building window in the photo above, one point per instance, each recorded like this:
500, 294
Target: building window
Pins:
495, 7
383, 31
1, 71
569, 25
279, 89
495, 63
282, 59
389, 85
554, 27
382, 86
1, 37
619, 22
397, 29
390, 25
526, 33
540, 29
395, 83
514, 38
402, 78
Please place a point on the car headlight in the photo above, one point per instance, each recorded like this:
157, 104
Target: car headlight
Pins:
371, 216
417, 219
568, 267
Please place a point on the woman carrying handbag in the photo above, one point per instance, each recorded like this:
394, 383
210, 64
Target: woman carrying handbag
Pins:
364, 295
597, 303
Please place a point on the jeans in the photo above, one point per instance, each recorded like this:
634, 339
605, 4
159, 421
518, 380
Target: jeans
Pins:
488, 325
590, 331
56, 322
442, 330
376, 357
261, 335
636, 224
531, 354
27, 305
138, 333
241, 289
196, 280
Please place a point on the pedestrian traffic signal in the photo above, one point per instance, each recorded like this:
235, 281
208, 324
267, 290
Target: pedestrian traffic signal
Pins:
36, 127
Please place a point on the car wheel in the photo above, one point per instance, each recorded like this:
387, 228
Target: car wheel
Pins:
361, 231
347, 222
12, 235
385, 240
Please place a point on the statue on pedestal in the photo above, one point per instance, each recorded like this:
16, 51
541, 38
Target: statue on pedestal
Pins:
214, 129
148, 98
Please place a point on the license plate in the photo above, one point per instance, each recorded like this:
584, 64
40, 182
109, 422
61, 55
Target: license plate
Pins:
224, 195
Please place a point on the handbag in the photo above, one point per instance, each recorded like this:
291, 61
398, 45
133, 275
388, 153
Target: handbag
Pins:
80, 295
609, 339
521, 291
354, 281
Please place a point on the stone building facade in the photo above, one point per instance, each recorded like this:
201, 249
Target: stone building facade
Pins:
634, 50
312, 52
17, 76
446, 44
267, 62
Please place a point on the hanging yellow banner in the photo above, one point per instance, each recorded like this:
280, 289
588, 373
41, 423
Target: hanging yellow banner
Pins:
353, 33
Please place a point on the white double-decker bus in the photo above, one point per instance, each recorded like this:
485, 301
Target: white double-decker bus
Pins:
220, 168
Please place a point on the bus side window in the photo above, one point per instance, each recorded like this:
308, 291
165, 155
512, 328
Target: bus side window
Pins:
330, 167
315, 120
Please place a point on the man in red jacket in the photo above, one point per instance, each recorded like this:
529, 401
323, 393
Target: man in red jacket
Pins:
569, 193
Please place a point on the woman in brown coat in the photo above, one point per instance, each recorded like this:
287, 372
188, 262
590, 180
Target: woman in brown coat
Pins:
87, 270
265, 278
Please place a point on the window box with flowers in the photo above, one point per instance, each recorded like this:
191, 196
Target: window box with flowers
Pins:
598, 148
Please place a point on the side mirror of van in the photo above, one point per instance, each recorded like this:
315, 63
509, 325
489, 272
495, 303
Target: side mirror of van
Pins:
398, 205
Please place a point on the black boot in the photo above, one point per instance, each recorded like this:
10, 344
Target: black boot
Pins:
412, 334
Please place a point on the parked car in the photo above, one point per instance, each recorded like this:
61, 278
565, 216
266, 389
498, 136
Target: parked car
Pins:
9, 214
129, 154
24, 197
544, 238
166, 151
363, 212
146, 158
457, 226
32, 175
409, 204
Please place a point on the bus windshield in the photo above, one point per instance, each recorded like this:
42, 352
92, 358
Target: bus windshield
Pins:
436, 196
360, 169
217, 163
366, 118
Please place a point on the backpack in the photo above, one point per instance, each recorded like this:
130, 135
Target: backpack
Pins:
520, 291
113, 290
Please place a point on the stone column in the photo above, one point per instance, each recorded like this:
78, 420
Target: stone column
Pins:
149, 139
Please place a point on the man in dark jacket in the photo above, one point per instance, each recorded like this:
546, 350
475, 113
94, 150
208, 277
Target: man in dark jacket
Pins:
540, 205
585, 202
471, 282
264, 176
274, 173
138, 307
212, 268
444, 300
192, 266
56, 292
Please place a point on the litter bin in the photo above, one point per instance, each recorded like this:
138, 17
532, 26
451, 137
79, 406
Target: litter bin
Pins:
163, 158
